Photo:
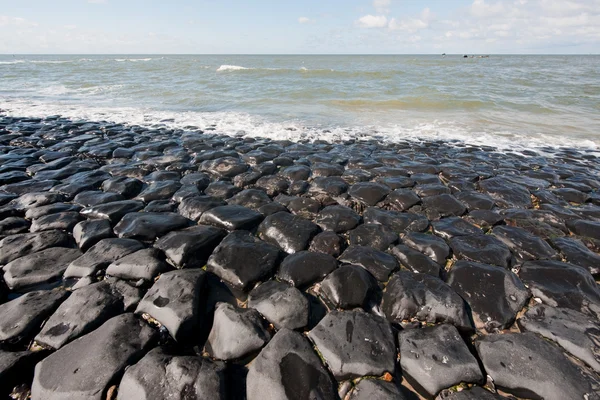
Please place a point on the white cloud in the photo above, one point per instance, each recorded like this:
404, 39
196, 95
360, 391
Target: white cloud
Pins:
306, 20
372, 21
6, 20
382, 6
412, 25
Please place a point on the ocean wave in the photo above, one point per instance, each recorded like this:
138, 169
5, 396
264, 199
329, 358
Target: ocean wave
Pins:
231, 68
410, 103
250, 125
136, 59
12, 62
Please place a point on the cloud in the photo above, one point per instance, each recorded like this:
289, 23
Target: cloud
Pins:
306, 20
382, 6
412, 25
372, 21
6, 20
97, 1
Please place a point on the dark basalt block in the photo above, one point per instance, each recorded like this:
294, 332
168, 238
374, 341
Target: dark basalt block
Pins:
23, 316
29, 186
231, 217
86, 367
395, 221
377, 389
159, 190
157, 176
100, 256
13, 226
572, 330
288, 369
378, 263
16, 246
513, 361
475, 200
85, 310
36, 199
571, 195
338, 219
197, 179
38, 268
88, 233
16, 368
296, 173
585, 228
481, 248
222, 190
494, 294
430, 245
95, 197
250, 198
193, 207
483, 218
320, 169
306, 267
523, 244
226, 167
242, 259
330, 186
64, 221
372, 235
38, 212
423, 297
327, 242
190, 247
288, 232
235, 332
475, 393
431, 189
505, 193
577, 253
13, 177
402, 199
369, 193
561, 284
416, 261
436, 358
148, 226
112, 211
355, 344
160, 375
443, 205
123, 185
145, 264
348, 287
450, 227
174, 301
282, 305
273, 184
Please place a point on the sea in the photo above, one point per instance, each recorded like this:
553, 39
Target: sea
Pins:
507, 101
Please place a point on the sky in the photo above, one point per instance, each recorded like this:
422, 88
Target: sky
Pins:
300, 27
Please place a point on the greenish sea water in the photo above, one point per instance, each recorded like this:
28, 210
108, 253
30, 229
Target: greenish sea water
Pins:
501, 100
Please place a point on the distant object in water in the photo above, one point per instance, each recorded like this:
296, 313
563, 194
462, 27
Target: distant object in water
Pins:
465, 56
443, 54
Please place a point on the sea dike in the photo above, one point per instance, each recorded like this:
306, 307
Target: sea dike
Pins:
152, 263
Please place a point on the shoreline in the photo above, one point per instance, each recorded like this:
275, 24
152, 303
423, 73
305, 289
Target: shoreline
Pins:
263, 268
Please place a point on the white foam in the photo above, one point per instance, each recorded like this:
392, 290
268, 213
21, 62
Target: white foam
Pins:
133, 59
248, 125
12, 62
230, 68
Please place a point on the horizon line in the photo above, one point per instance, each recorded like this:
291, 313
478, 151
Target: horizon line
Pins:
298, 54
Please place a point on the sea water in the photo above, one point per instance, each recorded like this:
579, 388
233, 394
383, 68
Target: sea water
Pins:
508, 101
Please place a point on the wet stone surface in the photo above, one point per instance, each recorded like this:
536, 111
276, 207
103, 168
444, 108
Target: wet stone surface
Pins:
295, 264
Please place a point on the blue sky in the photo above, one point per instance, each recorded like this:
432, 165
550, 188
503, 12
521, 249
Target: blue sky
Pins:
308, 26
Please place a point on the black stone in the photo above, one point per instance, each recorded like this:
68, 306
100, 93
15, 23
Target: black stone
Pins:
100, 256
423, 297
402, 199
148, 226
231, 217
190, 247
448, 228
92, 198
282, 305
159, 190
64, 221
348, 287
505, 193
372, 235
528, 366
436, 358
306, 267
288, 232
112, 211
430, 245
377, 389
355, 344
481, 248
88, 233
416, 261
16, 246
338, 219
444, 205
378, 263
575, 252
327, 242
494, 294
37, 212
396, 221
145, 264
193, 207
369, 193
123, 185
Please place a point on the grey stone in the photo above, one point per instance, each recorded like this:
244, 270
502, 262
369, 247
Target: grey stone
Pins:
378, 263
523, 244
450, 227
84, 368
577, 253
288, 369
16, 246
193, 207
231, 217
100, 256
481, 248
64, 221
38, 268
430, 245
377, 389
88, 233
338, 219
159, 190
190, 247
148, 226
112, 211
174, 301
95, 197
161, 376
505, 193
235, 332
144, 264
